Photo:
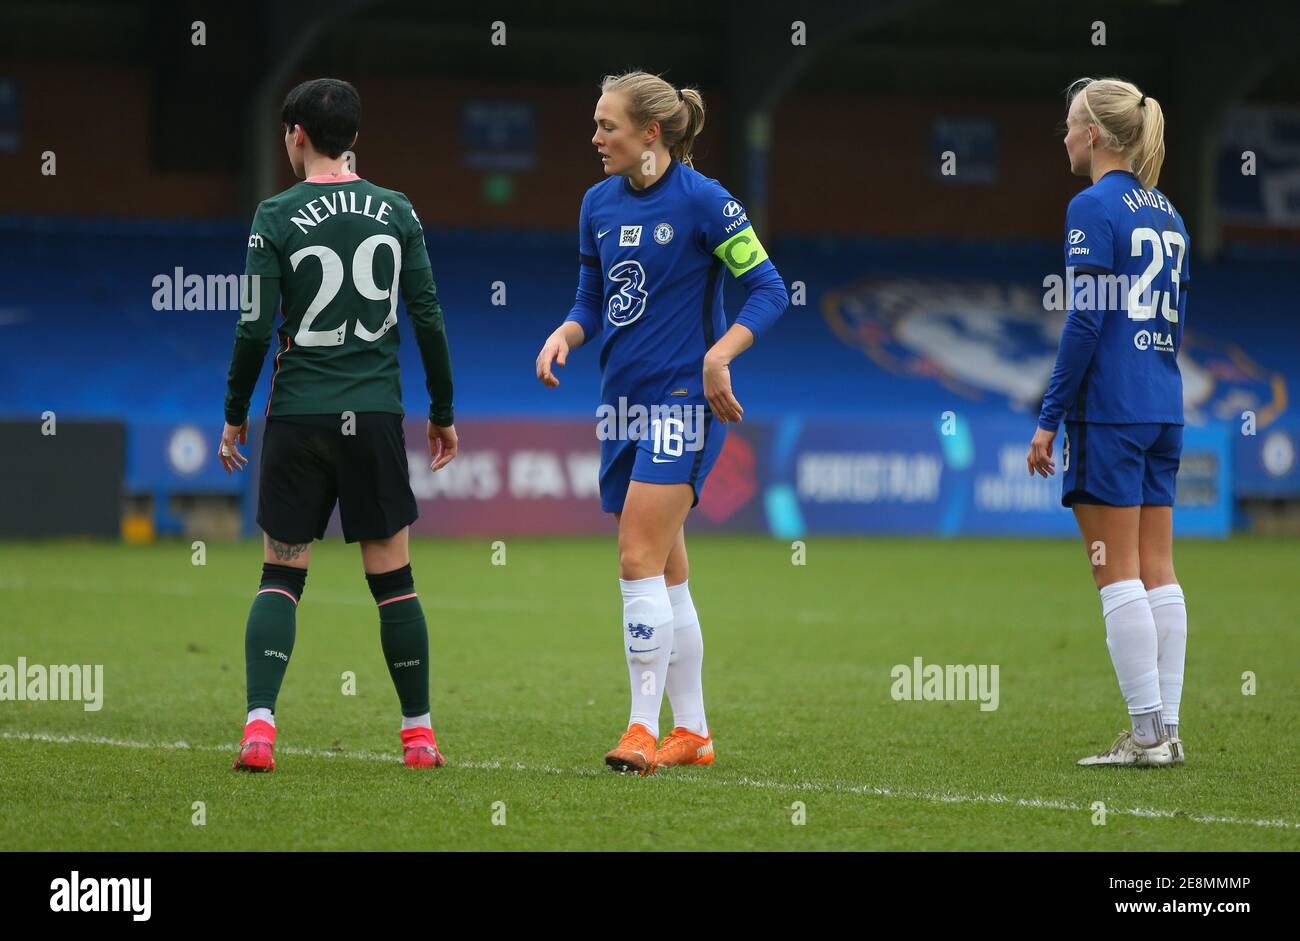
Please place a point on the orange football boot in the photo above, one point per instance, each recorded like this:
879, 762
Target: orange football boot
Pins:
257, 750
635, 753
684, 747
420, 749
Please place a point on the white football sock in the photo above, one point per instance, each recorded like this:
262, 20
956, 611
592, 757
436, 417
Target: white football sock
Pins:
266, 715
647, 644
685, 682
1131, 638
1148, 728
417, 722
1169, 609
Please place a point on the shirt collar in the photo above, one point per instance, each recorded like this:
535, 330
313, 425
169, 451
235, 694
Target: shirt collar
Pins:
653, 187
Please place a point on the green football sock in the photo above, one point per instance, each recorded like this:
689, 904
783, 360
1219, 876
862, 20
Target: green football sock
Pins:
404, 636
269, 635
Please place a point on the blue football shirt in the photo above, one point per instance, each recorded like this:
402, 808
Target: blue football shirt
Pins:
1134, 242
663, 253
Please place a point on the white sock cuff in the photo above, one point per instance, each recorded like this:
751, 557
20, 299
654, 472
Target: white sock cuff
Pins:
1151, 707
679, 594
1118, 594
1166, 594
641, 586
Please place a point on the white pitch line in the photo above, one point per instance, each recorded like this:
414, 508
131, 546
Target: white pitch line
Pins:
280, 749
935, 797
942, 798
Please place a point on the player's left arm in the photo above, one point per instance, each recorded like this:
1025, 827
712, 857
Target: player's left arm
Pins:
730, 237
260, 299
422, 306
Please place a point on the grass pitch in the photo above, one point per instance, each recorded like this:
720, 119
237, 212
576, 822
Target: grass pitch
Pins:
530, 690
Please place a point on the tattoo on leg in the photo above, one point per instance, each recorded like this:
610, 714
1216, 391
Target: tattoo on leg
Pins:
285, 551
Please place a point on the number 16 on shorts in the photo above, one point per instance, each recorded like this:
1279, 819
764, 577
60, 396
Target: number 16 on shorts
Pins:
669, 436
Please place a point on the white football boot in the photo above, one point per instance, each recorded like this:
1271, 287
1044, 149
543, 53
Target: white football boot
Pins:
1126, 752
1176, 749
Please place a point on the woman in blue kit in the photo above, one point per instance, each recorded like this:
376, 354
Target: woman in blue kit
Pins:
1117, 386
656, 241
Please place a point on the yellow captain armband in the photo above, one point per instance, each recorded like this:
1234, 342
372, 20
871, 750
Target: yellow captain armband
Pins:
742, 251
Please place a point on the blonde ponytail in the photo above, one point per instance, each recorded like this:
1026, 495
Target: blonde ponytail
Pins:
1150, 154
649, 98
1129, 123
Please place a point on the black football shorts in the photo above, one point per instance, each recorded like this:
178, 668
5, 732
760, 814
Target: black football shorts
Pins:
308, 464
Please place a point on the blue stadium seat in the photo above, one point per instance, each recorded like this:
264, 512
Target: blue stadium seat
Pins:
886, 326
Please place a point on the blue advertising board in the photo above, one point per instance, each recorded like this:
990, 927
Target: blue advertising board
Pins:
179, 457
955, 476
946, 475
1266, 464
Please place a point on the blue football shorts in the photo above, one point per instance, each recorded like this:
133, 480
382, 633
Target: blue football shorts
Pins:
1120, 465
676, 455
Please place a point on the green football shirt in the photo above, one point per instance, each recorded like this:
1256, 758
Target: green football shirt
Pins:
335, 256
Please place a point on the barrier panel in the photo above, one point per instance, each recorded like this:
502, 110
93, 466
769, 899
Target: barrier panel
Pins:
61, 478
787, 478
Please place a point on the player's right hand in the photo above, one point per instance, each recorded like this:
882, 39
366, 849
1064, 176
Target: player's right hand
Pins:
1039, 457
231, 436
554, 352
442, 445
